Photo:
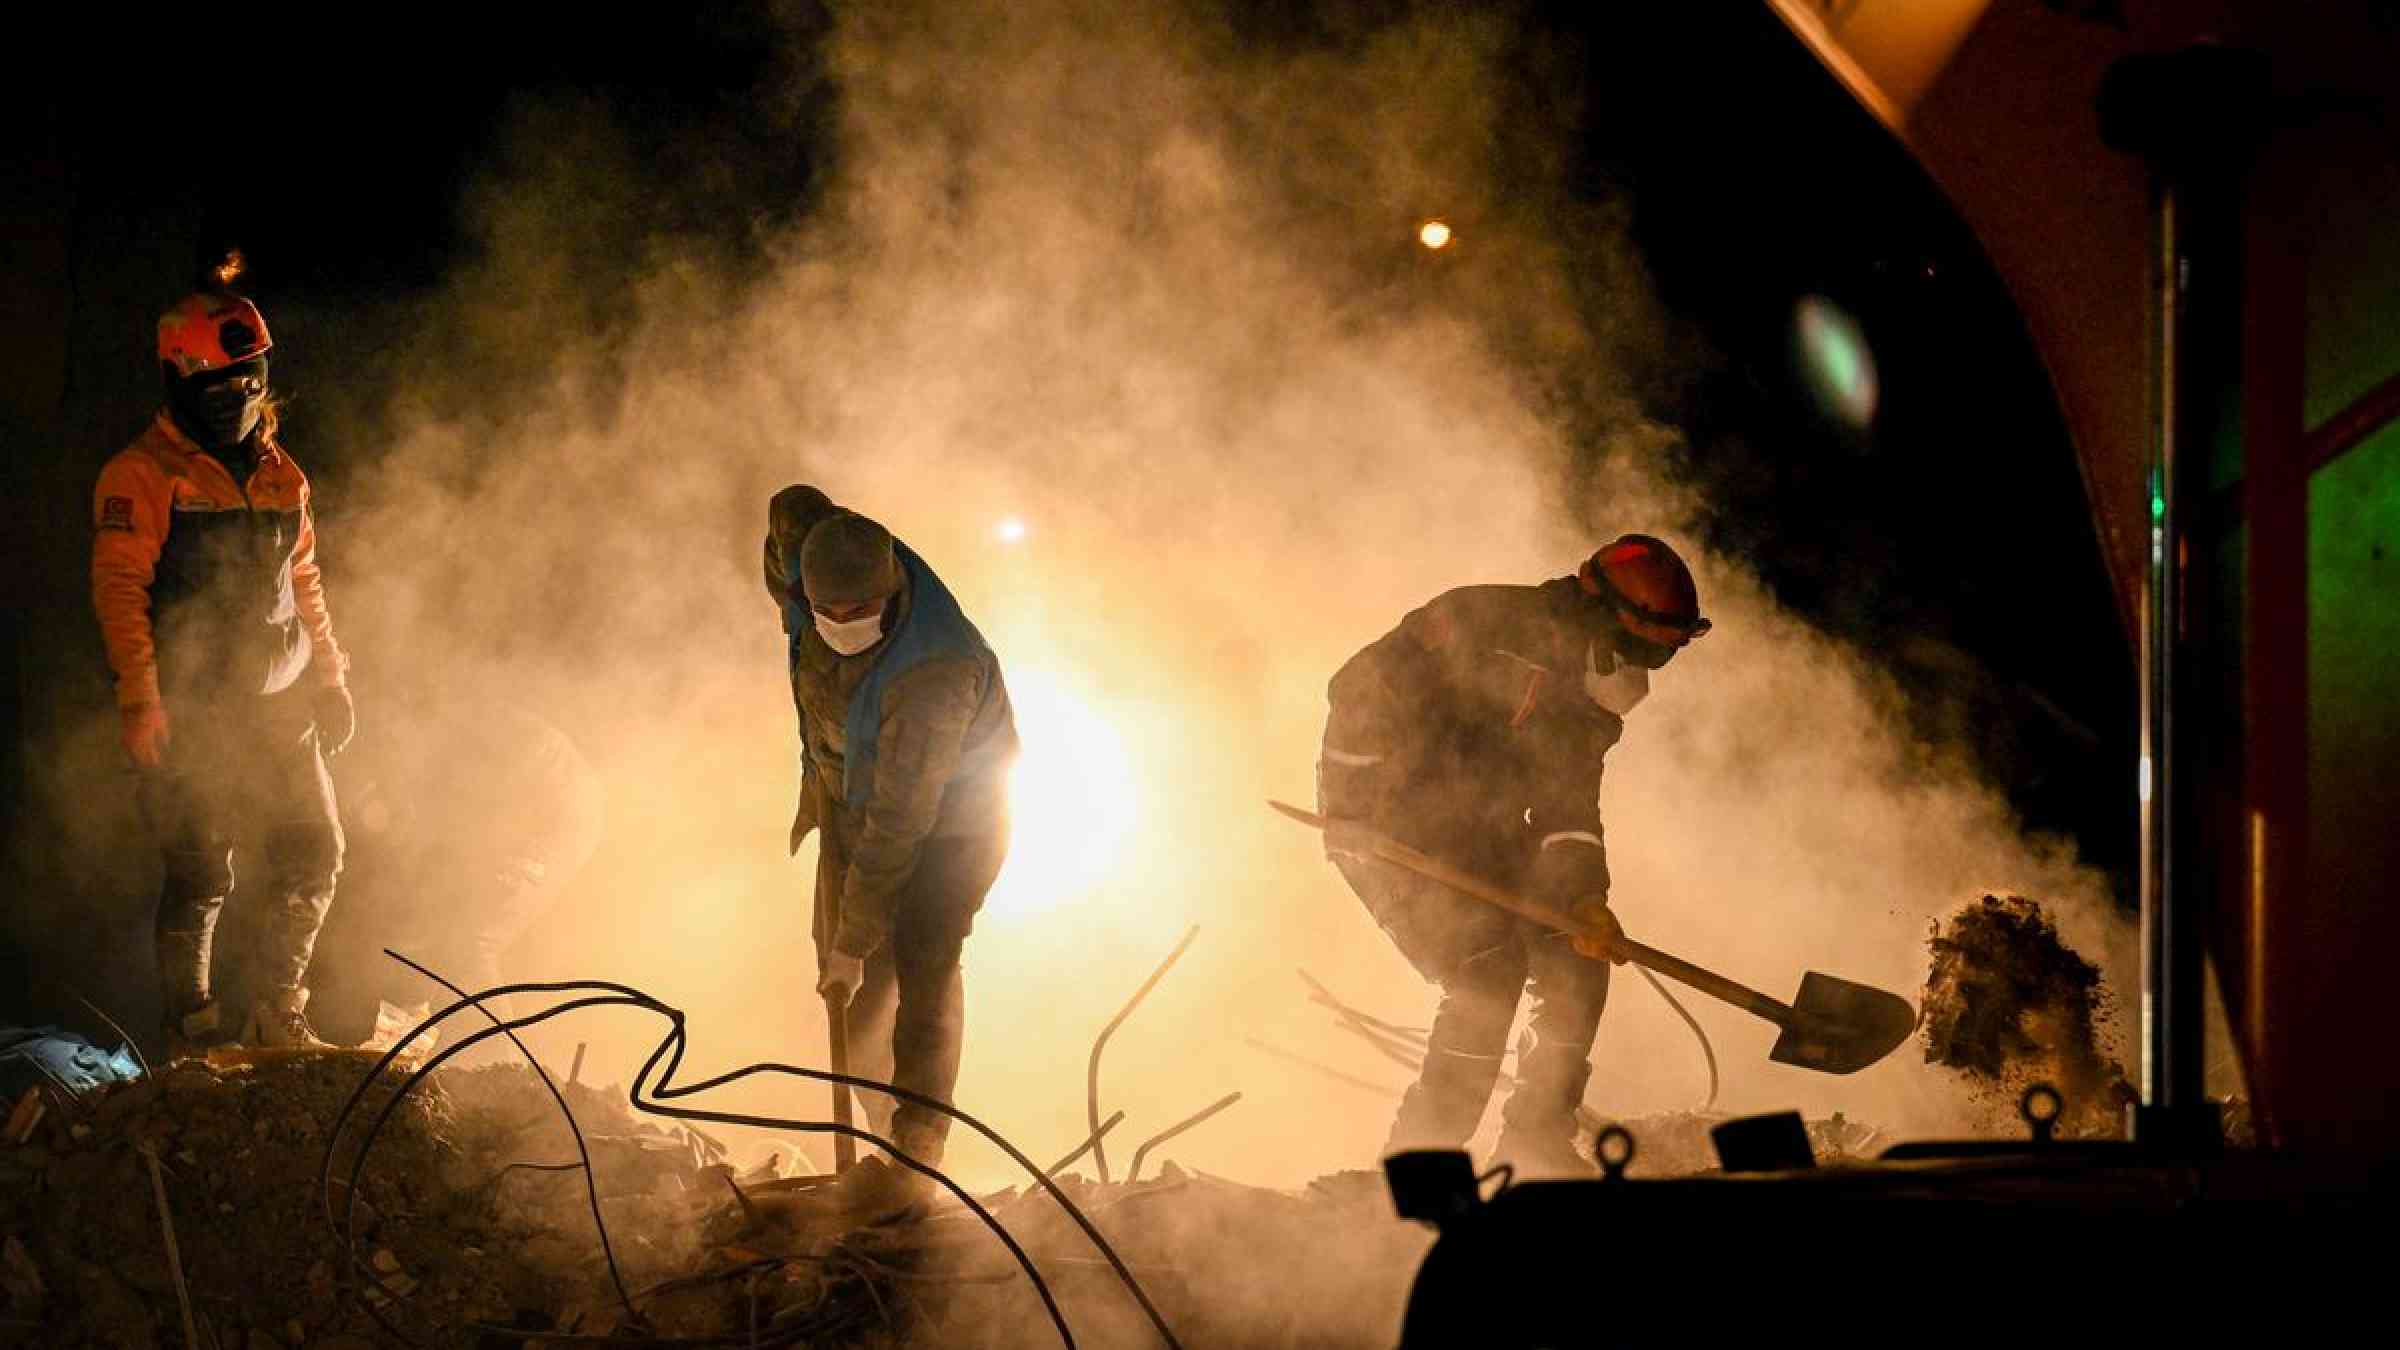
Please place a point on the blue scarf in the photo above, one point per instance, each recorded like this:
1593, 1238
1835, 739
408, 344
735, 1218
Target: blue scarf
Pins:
934, 628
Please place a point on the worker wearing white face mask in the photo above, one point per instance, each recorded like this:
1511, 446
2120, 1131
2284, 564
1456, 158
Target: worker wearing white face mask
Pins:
908, 737
1474, 731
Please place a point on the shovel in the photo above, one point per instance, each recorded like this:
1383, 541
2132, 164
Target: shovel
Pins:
1833, 1026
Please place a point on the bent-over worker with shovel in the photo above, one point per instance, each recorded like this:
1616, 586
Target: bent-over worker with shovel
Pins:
907, 738
1475, 731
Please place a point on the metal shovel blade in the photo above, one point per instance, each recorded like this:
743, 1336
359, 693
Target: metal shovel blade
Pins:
1840, 1027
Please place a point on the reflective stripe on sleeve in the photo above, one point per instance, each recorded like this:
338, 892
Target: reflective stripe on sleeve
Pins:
1348, 760
1572, 837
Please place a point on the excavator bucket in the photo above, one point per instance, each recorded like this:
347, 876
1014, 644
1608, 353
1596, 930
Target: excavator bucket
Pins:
1841, 1027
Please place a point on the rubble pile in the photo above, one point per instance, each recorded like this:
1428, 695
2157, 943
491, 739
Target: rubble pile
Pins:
2008, 1004
456, 1230
1225, 1263
474, 1229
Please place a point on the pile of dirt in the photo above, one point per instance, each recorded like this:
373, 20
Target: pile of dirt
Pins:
2008, 1004
455, 1230
1224, 1263
474, 1229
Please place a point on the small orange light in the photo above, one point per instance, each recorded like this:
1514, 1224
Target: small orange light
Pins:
233, 266
1434, 234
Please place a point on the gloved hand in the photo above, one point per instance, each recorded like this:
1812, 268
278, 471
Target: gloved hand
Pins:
1603, 946
336, 718
839, 976
144, 730
1354, 837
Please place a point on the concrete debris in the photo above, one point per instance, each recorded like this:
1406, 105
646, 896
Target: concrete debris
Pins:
474, 1228
455, 1235
2008, 1004
1228, 1264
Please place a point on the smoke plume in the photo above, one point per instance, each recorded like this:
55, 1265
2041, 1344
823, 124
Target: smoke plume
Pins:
1145, 281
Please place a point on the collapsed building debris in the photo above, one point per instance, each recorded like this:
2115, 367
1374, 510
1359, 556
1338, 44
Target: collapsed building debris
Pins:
474, 1220
2008, 1005
463, 1219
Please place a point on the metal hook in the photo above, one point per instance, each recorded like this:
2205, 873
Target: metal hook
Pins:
1614, 1149
2041, 1106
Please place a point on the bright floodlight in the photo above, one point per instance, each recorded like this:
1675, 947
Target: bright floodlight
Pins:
1073, 798
1009, 531
1434, 234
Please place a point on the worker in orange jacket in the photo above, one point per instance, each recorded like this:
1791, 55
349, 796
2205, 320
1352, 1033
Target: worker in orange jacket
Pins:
205, 580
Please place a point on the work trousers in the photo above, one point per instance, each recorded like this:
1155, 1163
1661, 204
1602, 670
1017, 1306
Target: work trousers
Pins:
908, 1020
243, 770
1485, 959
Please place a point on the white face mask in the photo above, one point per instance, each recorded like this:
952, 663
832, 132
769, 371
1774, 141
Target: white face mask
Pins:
849, 639
1623, 685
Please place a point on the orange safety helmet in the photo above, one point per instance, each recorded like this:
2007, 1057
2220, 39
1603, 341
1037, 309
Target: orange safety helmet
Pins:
207, 331
1650, 587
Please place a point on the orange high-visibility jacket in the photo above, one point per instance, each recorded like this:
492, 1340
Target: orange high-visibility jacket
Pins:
204, 584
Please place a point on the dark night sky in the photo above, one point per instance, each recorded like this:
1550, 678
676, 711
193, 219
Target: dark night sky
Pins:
1752, 181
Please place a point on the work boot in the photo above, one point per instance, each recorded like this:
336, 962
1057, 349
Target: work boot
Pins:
878, 1190
1537, 1130
280, 1022
190, 1035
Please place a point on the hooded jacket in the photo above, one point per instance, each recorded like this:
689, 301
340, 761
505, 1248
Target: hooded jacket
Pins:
943, 736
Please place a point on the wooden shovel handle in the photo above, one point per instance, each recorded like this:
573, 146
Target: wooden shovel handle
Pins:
837, 1033
1673, 967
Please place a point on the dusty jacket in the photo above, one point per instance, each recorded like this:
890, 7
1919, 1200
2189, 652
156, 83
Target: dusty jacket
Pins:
946, 735
203, 585
1466, 732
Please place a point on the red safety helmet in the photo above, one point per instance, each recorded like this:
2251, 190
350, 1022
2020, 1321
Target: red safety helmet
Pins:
207, 331
1650, 587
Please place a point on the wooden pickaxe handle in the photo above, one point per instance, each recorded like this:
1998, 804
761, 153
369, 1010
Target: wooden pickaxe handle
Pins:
837, 1031
1673, 967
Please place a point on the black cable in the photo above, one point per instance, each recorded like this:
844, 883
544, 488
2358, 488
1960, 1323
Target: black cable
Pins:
676, 1040
591, 1182
671, 1049
627, 998
347, 1224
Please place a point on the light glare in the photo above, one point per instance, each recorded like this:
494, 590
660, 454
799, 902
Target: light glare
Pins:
1072, 797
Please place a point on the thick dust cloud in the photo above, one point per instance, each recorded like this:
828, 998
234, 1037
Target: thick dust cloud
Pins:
1117, 314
